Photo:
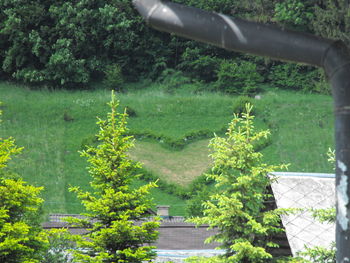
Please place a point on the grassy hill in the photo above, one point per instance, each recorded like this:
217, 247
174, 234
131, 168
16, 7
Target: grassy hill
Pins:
172, 132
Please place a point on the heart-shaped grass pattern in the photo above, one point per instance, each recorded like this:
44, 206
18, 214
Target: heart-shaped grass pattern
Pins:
177, 166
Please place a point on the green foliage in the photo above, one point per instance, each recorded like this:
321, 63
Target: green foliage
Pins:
167, 187
215, 259
324, 215
320, 254
114, 206
222, 6
198, 65
294, 76
332, 19
131, 112
71, 43
322, 86
172, 80
239, 106
238, 78
237, 207
60, 244
177, 143
21, 237
199, 190
194, 206
114, 77
294, 13
66, 43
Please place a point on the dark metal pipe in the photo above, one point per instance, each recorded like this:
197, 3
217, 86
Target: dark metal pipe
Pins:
233, 33
266, 40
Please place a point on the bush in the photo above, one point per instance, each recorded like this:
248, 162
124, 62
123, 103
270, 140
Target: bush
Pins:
294, 13
199, 190
198, 65
175, 143
60, 242
294, 76
194, 206
67, 116
172, 80
169, 188
114, 77
240, 103
88, 142
238, 77
130, 111
322, 86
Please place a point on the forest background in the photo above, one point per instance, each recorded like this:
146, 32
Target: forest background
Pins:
71, 44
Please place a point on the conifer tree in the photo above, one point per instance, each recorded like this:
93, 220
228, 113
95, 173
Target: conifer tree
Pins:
237, 207
119, 229
21, 237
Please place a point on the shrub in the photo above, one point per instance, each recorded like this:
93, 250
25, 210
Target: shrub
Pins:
113, 77
240, 103
294, 76
322, 86
173, 79
88, 141
194, 206
169, 188
238, 77
198, 65
130, 111
58, 250
67, 116
294, 13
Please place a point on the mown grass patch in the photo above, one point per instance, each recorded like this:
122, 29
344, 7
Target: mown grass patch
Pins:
180, 167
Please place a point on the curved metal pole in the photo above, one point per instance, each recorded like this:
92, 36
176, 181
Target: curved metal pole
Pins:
266, 40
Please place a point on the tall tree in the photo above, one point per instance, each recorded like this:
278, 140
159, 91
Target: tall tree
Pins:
117, 218
237, 208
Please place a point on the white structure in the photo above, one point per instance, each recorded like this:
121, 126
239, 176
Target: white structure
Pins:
305, 190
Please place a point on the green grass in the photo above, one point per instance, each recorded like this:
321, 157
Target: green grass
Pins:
302, 127
53, 126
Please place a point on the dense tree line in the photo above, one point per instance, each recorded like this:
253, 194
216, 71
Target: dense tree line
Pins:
70, 43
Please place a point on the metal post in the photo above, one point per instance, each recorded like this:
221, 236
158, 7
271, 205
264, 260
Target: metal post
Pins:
337, 66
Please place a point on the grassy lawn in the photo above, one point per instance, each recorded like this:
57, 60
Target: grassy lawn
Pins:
54, 125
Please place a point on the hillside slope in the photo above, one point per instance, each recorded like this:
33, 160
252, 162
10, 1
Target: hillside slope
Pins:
172, 132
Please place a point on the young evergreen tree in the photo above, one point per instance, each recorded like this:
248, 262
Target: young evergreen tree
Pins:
21, 237
237, 207
119, 228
